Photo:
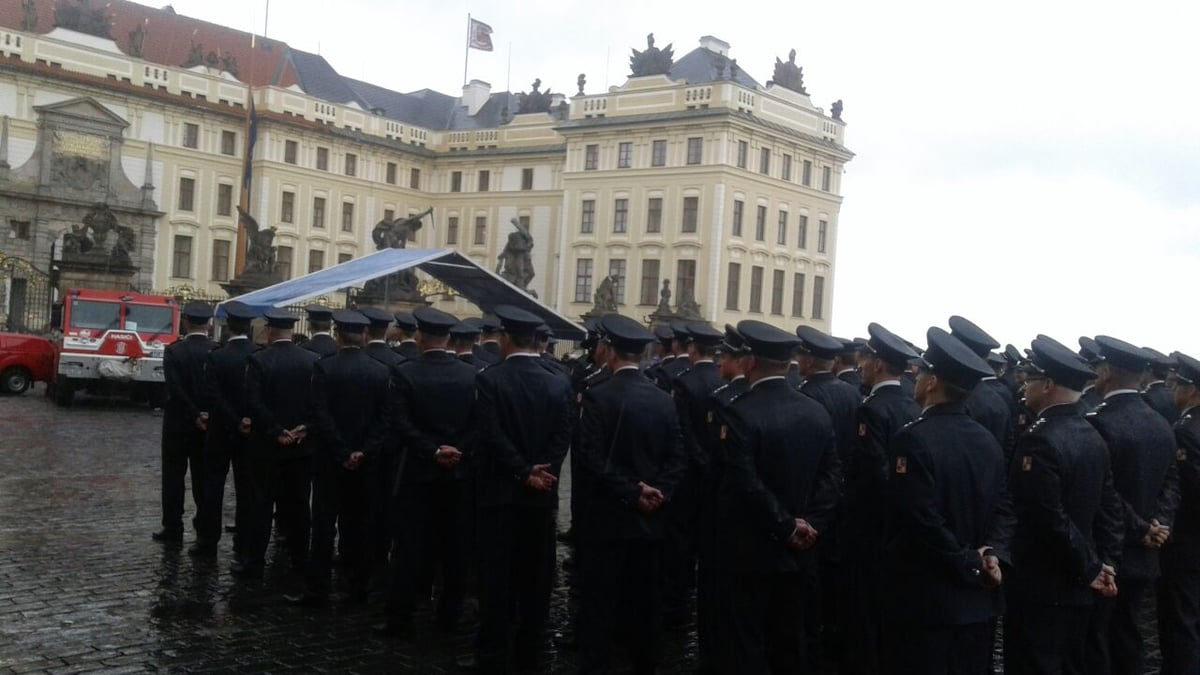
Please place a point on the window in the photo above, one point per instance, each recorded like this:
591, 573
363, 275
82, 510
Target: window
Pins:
733, 286
760, 224
345, 257
480, 231
620, 216
616, 269
220, 260
485, 180
316, 261
583, 280
456, 181
742, 151
822, 230
764, 161
587, 223
390, 173
756, 281
182, 261
649, 282
526, 179
283, 262
323, 159
802, 230
658, 153
798, 294
691, 212
591, 157
826, 178
414, 179
654, 215
318, 219
695, 150
818, 306
347, 216
228, 143
351, 164
290, 150
685, 280
18, 229
452, 230
389, 214
187, 194
191, 135
287, 207
786, 172
806, 173
777, 292
224, 200
624, 155
738, 208
781, 236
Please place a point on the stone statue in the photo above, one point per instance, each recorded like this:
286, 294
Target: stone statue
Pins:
137, 40
687, 307
836, 110
664, 298
101, 239
652, 61
195, 56
515, 264
535, 101
605, 298
789, 75
733, 69
260, 253
396, 233
229, 64
29, 16
83, 18
720, 69
212, 60
581, 82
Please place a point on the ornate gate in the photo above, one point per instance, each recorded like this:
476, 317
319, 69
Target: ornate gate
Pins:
25, 296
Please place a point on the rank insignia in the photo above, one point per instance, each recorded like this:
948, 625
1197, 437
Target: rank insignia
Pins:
901, 465
1181, 454
1027, 463
579, 398
724, 432
710, 416
862, 429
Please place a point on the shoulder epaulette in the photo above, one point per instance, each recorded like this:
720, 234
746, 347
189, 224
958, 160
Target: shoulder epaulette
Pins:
1033, 428
720, 389
739, 395
913, 423
683, 372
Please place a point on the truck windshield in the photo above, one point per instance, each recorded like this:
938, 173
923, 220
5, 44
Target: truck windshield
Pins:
150, 319
95, 315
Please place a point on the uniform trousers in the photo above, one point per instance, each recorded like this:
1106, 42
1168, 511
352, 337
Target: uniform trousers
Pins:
224, 450
1179, 611
381, 517
759, 622
965, 649
431, 528
1044, 640
280, 486
181, 452
1114, 641
620, 603
341, 507
859, 616
678, 574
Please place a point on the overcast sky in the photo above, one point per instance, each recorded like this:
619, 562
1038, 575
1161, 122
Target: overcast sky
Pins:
1033, 166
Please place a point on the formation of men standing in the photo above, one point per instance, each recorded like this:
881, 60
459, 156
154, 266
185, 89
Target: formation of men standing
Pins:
852, 506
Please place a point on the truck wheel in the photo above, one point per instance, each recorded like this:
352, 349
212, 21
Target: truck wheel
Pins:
64, 392
15, 380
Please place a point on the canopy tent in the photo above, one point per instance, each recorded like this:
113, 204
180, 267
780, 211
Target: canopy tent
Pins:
470, 280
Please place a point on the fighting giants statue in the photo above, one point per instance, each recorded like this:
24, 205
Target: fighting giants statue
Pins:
260, 254
100, 240
515, 262
395, 233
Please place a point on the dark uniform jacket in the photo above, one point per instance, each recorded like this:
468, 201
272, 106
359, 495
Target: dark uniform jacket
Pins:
794, 379
881, 415
408, 350
1089, 400
692, 389
183, 369
488, 354
1142, 449
908, 382
279, 395
225, 374
780, 464
628, 434
1158, 397
1068, 513
1185, 536
469, 359
322, 345
351, 395
384, 354
947, 497
988, 407
434, 396
654, 373
841, 401
525, 417
852, 378
667, 372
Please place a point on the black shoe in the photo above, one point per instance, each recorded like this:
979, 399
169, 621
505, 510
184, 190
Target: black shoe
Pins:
246, 570
168, 536
231, 528
566, 640
400, 630
202, 550
568, 536
308, 599
468, 663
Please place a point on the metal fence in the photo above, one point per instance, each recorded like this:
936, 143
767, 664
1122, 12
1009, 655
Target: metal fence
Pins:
25, 297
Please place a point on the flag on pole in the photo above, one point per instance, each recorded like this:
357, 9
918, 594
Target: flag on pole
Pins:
481, 36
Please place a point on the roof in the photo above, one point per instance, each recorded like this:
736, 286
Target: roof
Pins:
318, 78
700, 65
470, 280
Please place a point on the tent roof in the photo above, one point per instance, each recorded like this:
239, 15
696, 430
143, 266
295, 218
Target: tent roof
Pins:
470, 280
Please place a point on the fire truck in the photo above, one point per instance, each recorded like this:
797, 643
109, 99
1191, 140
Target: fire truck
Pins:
112, 342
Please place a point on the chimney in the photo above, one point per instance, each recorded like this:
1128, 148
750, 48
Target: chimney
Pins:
713, 44
475, 95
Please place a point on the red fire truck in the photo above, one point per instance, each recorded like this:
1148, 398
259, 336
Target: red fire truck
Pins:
112, 342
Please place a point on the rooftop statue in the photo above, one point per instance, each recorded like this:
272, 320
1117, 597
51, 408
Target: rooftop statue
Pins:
789, 75
653, 61
535, 101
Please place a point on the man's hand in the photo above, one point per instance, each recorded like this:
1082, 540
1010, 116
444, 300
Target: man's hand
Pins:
1156, 536
355, 460
804, 537
244, 427
651, 499
992, 576
285, 439
202, 421
1105, 583
540, 478
448, 456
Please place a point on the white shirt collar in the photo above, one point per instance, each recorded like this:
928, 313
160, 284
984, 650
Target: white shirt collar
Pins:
767, 379
702, 361
739, 377
321, 332
885, 383
275, 342
985, 379
238, 337
1120, 391
1151, 384
378, 342
625, 368
199, 332
846, 370
516, 354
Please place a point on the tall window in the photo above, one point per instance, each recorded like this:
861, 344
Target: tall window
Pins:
654, 215
224, 200
733, 286
480, 231
685, 280
283, 262
822, 231
695, 151
786, 171
826, 178
650, 271
347, 216
220, 260
756, 283
287, 207
620, 216
583, 280
389, 214
802, 231
738, 208
323, 159
390, 173
228, 143
456, 181
591, 157
318, 219
414, 179
743, 149
526, 179
587, 221
452, 230
616, 269
781, 236
658, 153
290, 150
806, 173
764, 160
191, 135
187, 194
344, 257
316, 261
691, 212
798, 294
624, 155
485, 180
818, 306
760, 224
182, 261
777, 292
351, 164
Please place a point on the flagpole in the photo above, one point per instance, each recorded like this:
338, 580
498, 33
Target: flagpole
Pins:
508, 75
467, 50
239, 256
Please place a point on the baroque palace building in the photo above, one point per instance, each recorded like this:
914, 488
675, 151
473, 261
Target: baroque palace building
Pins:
692, 172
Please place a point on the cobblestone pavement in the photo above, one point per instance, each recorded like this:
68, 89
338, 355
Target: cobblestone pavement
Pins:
84, 588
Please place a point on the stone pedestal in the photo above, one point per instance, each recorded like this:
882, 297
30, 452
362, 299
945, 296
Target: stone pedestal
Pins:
249, 281
391, 306
80, 274
664, 315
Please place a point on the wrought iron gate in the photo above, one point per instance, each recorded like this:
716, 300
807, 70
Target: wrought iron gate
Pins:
25, 297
